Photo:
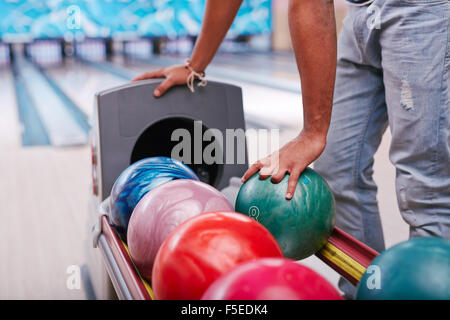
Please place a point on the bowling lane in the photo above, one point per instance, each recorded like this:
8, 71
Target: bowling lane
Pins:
252, 63
10, 128
80, 82
58, 121
279, 59
261, 104
263, 76
261, 63
287, 78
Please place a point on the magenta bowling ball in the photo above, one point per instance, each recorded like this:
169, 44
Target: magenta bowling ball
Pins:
271, 279
164, 208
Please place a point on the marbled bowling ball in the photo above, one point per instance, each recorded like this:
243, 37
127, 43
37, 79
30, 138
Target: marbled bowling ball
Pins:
161, 210
301, 225
136, 181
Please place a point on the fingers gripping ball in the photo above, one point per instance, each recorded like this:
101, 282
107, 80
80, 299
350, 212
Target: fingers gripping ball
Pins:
164, 208
301, 225
203, 248
271, 279
136, 181
417, 269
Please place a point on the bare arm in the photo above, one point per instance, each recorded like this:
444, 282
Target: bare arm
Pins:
219, 16
313, 32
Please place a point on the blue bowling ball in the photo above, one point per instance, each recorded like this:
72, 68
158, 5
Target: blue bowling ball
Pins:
136, 181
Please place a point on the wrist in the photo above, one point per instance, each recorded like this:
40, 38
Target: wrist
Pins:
318, 137
319, 133
196, 65
193, 75
191, 69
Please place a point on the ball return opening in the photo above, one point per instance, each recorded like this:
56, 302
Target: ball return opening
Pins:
160, 136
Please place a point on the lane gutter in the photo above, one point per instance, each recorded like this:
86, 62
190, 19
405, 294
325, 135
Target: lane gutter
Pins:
33, 130
79, 115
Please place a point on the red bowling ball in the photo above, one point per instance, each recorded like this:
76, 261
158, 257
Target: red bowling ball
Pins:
271, 279
161, 210
205, 247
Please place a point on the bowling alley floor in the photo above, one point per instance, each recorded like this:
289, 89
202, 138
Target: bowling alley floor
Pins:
44, 194
44, 197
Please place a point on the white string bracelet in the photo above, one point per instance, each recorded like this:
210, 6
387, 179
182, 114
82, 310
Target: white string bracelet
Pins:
194, 75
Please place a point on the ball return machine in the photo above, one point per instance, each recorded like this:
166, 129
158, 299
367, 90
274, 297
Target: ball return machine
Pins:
130, 124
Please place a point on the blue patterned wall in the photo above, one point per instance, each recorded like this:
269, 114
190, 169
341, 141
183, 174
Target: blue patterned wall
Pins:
127, 18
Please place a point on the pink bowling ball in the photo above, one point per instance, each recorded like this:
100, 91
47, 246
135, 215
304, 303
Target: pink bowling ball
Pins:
271, 279
161, 210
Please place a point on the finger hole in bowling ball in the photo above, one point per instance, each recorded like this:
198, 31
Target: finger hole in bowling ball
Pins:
156, 141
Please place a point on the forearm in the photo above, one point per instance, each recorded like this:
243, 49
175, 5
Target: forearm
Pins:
313, 31
218, 17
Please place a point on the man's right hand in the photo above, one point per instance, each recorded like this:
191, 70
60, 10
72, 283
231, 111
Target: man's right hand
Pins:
176, 74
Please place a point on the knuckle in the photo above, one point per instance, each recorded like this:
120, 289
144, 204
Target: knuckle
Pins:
258, 163
276, 177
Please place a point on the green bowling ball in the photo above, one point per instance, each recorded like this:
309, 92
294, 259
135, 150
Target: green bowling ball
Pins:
417, 269
301, 225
